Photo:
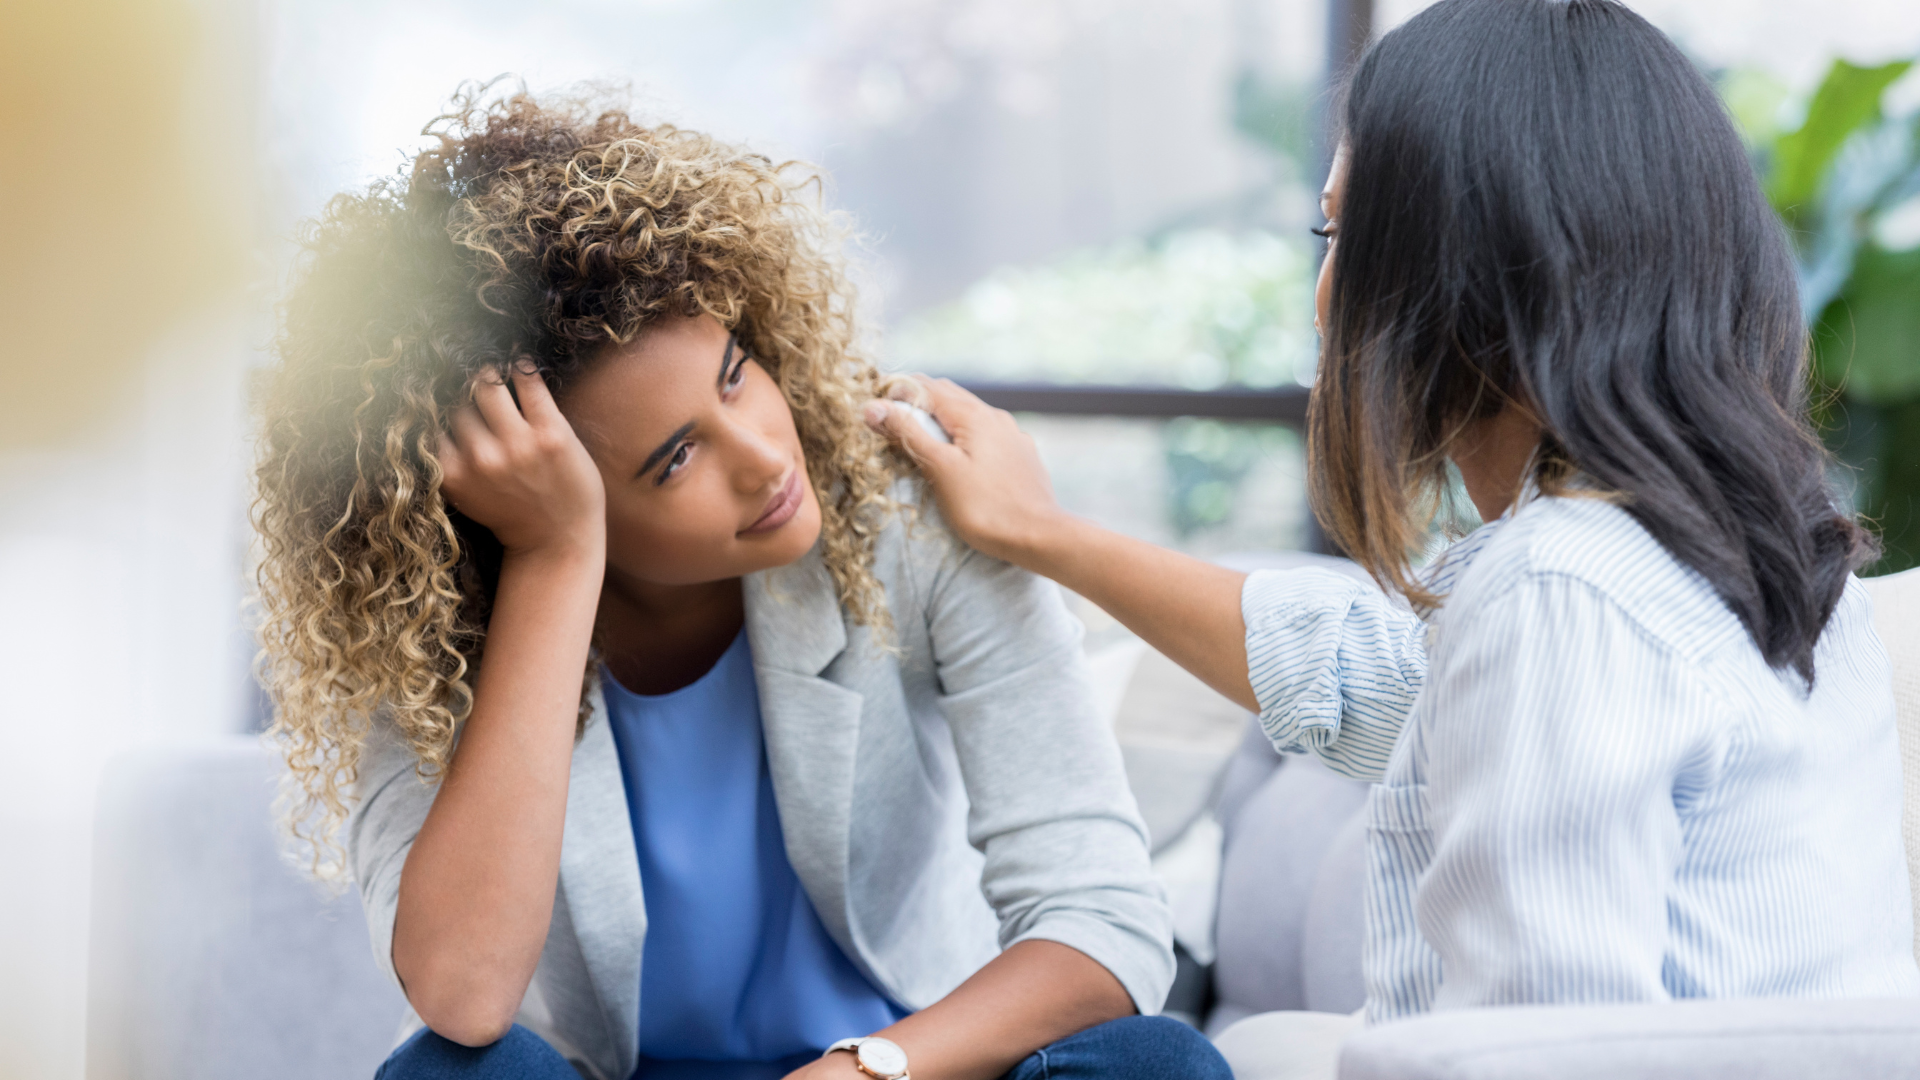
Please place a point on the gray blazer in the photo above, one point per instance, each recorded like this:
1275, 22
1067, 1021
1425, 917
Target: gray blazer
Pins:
941, 800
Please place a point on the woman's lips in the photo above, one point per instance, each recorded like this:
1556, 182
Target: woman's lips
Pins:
785, 504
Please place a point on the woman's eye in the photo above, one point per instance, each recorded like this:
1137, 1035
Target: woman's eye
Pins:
738, 375
1325, 232
678, 459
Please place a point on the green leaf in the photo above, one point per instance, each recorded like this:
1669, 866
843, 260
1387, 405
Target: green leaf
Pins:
1755, 98
1848, 98
1868, 339
1893, 502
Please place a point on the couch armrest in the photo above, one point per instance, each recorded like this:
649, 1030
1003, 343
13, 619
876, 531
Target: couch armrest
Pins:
1752, 1039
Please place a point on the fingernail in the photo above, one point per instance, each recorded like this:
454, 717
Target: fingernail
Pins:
901, 392
875, 414
525, 366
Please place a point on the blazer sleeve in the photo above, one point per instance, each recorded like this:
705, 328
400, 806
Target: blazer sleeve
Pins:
1066, 850
391, 804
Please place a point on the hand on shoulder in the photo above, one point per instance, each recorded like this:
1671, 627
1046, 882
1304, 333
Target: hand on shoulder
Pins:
988, 481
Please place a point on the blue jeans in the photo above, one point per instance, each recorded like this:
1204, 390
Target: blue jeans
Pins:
1130, 1048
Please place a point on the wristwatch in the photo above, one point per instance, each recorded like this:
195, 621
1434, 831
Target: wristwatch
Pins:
879, 1058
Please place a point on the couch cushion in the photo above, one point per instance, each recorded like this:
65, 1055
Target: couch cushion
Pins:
1276, 842
1331, 973
1896, 617
1176, 734
1752, 1039
211, 958
1286, 1045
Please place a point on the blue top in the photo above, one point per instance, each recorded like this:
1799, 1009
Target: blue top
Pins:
737, 966
1592, 787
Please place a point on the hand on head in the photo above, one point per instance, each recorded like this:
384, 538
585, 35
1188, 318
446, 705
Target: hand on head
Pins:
519, 469
989, 481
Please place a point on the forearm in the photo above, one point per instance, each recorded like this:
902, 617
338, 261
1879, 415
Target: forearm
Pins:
476, 893
1033, 994
1186, 608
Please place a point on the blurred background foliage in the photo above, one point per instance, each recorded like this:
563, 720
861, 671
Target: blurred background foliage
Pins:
1219, 297
1199, 308
1842, 168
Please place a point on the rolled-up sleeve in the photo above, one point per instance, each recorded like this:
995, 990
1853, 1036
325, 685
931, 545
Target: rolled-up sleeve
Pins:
1066, 850
1334, 664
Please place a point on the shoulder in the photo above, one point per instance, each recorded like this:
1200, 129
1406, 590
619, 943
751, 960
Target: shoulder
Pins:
1852, 646
910, 546
1602, 563
932, 577
914, 549
913, 535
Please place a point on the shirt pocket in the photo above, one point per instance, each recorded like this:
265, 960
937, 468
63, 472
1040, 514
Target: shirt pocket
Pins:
1398, 835
1397, 808
1401, 970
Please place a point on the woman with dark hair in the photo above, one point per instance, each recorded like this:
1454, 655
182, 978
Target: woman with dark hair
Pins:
1638, 743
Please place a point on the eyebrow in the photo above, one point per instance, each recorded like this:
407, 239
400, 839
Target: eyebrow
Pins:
664, 449
660, 452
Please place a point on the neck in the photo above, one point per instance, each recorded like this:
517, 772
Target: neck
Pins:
1492, 456
657, 638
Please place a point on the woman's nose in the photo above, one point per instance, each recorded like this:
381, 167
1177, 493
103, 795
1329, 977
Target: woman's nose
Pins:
759, 460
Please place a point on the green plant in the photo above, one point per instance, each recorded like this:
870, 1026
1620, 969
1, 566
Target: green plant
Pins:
1846, 180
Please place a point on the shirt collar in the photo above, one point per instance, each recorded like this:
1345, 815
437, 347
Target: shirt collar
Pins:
1445, 571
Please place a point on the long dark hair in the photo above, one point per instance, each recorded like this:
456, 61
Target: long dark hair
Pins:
1547, 205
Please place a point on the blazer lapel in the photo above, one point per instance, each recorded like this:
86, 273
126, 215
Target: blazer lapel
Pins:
811, 726
600, 879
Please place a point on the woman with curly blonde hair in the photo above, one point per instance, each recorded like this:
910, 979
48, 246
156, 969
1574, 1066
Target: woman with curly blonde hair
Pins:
660, 733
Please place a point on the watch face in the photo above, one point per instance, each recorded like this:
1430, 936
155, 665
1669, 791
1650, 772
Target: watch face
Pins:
882, 1057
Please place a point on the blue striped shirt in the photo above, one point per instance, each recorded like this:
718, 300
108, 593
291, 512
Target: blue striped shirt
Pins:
1591, 786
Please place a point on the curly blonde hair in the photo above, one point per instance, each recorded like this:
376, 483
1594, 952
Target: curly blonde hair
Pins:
545, 229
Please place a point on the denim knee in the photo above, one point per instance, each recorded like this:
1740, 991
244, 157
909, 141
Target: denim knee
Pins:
1130, 1048
519, 1055
1164, 1047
